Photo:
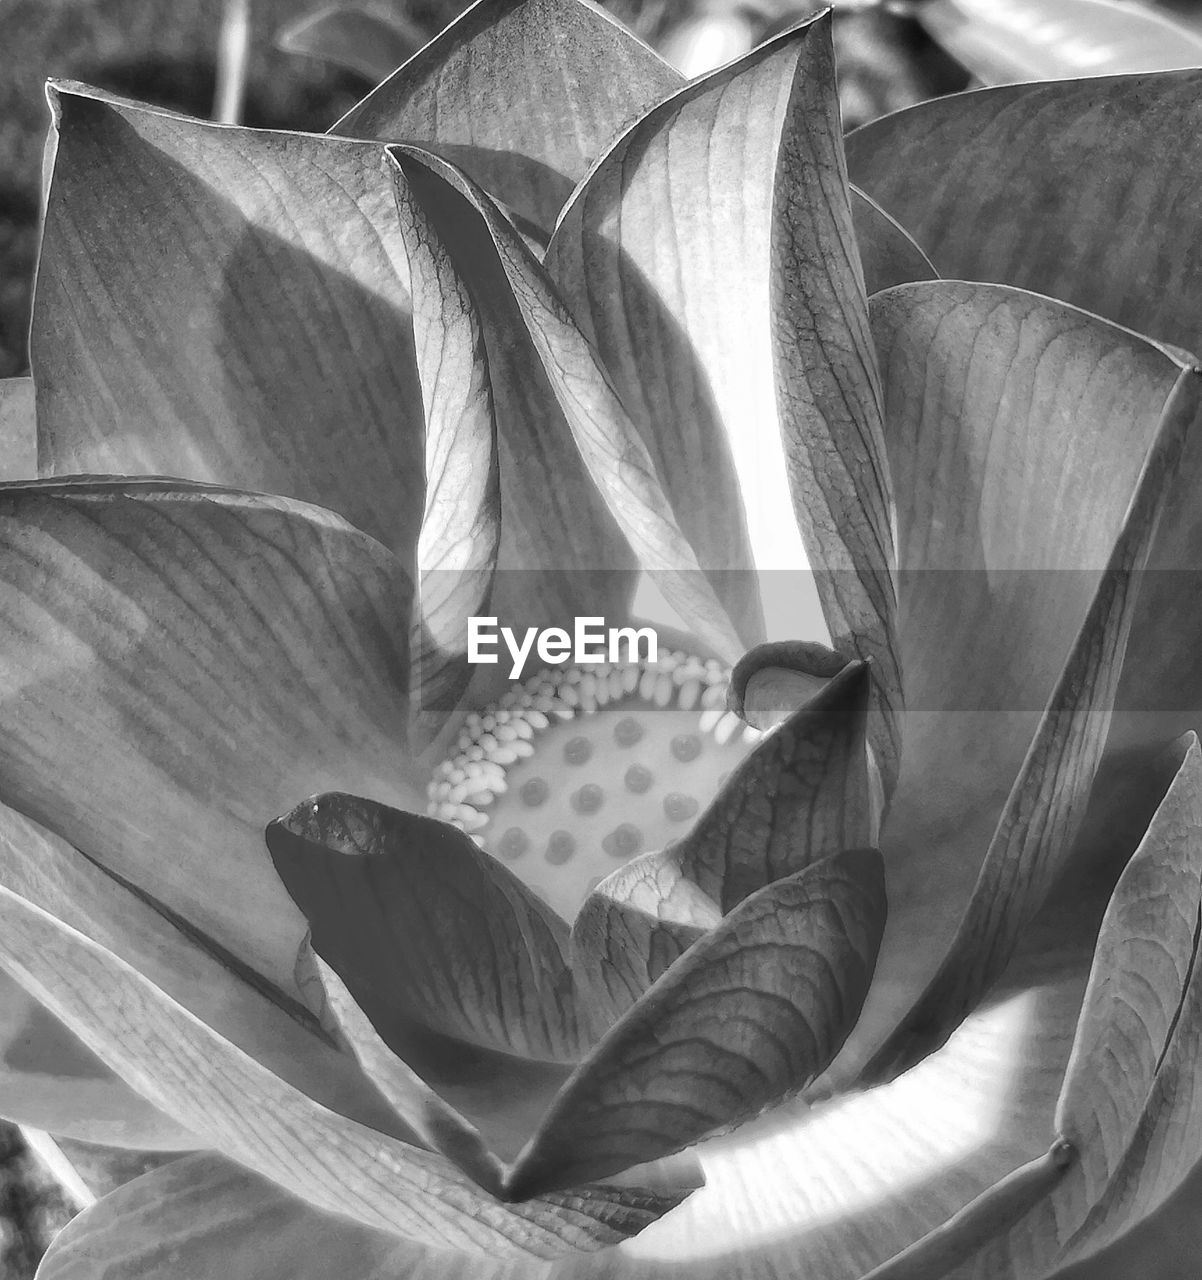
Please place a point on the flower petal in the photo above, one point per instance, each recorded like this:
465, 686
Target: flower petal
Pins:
47, 872
1035, 40
228, 305
710, 256
423, 925
999, 404
802, 794
750, 1014
1046, 805
887, 253
1127, 1111
18, 430
480, 94
50, 1080
252, 1116
434, 1122
632, 928
215, 1220
838, 1187
215, 655
983, 182
562, 554
461, 527
616, 458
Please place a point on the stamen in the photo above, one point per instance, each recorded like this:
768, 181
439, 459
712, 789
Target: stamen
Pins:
579, 769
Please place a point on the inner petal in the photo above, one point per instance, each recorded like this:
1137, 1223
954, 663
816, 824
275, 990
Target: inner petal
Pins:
578, 769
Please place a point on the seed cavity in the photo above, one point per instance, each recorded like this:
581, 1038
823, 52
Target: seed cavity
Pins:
616, 742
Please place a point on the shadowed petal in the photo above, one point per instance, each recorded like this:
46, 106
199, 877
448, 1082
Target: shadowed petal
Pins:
523, 94
215, 655
461, 528
1045, 809
1000, 404
272, 1028
417, 920
251, 1115
617, 459
749, 1015
229, 305
710, 257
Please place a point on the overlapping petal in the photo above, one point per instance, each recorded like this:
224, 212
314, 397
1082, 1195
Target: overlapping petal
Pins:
731, 318
250, 1114
183, 662
228, 305
999, 403
486, 94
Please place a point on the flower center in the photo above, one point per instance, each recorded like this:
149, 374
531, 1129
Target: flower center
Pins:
578, 769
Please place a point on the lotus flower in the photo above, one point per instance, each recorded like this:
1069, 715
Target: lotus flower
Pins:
523, 957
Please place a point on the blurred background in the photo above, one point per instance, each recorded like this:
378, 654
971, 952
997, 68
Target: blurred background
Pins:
301, 64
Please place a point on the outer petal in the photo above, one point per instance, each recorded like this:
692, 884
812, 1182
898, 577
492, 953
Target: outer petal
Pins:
551, 349
249, 1113
1046, 806
49, 1079
523, 94
1018, 430
185, 662
1086, 190
710, 256
18, 430
49, 873
228, 305
216, 1221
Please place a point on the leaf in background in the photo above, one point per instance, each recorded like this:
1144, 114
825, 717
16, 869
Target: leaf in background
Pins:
18, 430
253, 1117
736, 334
420, 923
461, 529
1044, 810
614, 454
1000, 405
216, 654
1002, 41
749, 1015
522, 94
371, 43
228, 305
